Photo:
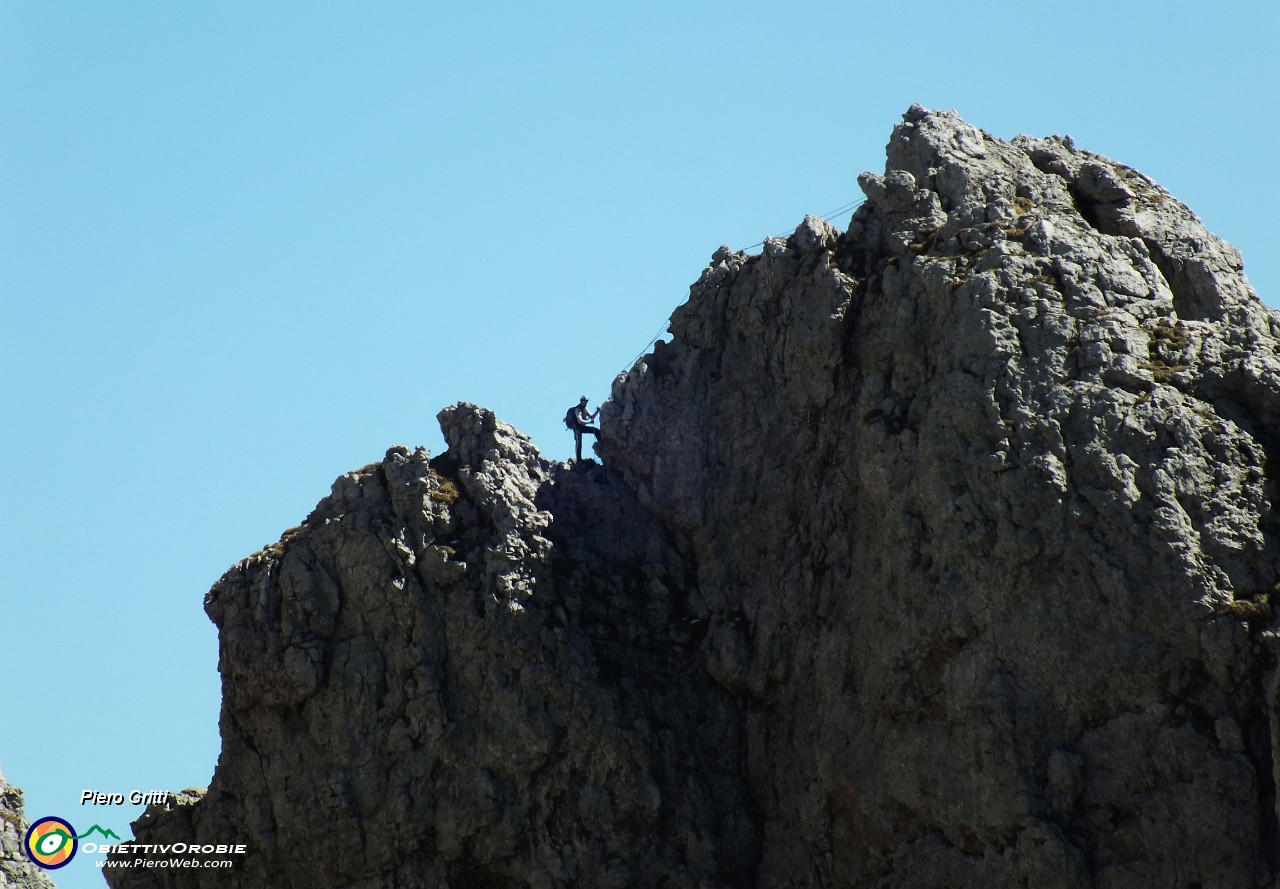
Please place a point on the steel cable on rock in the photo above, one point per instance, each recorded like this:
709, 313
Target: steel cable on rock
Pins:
825, 217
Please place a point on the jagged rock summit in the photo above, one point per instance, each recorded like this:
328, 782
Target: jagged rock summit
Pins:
937, 552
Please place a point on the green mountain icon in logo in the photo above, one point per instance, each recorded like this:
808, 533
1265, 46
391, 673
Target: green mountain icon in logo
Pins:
109, 834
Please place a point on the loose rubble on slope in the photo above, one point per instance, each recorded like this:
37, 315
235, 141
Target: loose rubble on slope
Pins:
937, 552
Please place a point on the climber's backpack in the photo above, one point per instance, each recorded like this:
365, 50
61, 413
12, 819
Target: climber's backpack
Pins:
571, 418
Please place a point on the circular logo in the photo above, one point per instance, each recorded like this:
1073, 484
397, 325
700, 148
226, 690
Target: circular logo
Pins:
51, 843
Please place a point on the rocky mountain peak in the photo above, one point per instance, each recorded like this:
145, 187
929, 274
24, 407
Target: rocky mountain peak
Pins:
937, 551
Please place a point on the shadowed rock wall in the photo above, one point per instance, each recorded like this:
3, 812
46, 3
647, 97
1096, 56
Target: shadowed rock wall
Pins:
979, 498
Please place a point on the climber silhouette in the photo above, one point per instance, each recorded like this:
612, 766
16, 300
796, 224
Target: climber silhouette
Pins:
578, 418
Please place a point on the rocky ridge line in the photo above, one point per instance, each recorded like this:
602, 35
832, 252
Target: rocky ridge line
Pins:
940, 551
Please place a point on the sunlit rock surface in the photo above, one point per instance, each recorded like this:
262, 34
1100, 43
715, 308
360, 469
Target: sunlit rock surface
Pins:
935, 552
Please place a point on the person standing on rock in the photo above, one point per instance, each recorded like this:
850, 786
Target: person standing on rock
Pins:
578, 418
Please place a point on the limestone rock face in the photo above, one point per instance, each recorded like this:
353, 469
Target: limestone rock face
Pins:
17, 871
937, 552
462, 672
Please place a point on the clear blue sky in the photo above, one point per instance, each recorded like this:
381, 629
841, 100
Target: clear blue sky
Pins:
245, 247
